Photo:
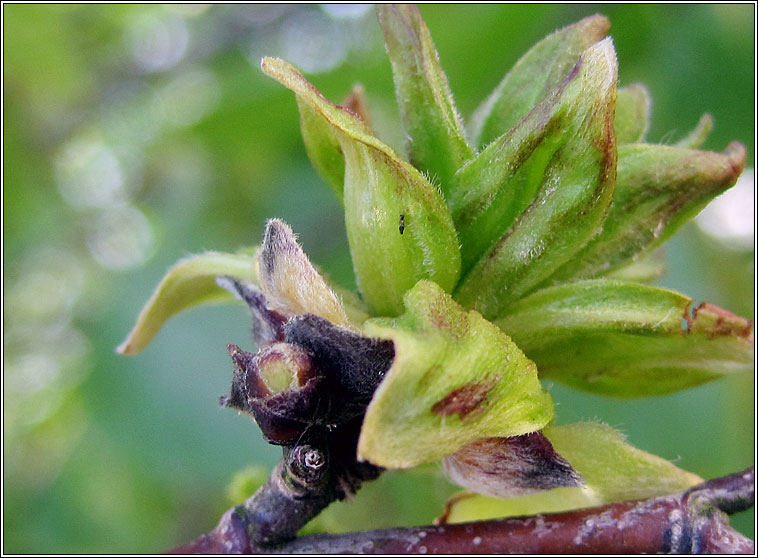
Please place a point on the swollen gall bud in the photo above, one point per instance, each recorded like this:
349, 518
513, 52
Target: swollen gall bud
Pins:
278, 386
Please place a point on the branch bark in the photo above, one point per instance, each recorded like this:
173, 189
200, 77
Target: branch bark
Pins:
691, 522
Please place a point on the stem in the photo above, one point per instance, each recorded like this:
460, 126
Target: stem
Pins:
691, 522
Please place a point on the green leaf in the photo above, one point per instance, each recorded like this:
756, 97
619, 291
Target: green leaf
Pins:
455, 379
658, 189
321, 141
355, 102
613, 470
191, 281
576, 181
697, 137
433, 128
322, 146
322, 123
647, 269
534, 76
626, 339
632, 114
398, 226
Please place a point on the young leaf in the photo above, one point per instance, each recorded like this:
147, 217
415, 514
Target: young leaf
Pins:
322, 146
697, 137
626, 339
576, 182
433, 127
534, 76
321, 141
191, 281
382, 192
455, 379
613, 471
355, 102
646, 269
507, 467
289, 281
632, 114
658, 189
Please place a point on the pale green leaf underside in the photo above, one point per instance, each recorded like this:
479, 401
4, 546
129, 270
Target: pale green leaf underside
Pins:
613, 471
190, 282
456, 378
627, 339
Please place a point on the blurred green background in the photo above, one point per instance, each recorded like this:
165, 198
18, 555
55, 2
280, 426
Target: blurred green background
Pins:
136, 135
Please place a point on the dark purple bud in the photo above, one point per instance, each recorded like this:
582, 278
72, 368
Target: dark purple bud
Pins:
267, 324
508, 467
279, 387
353, 364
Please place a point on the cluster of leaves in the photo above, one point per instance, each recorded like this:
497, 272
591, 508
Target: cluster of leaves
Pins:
521, 245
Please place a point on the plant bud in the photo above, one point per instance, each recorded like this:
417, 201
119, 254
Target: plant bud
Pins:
379, 186
268, 325
508, 467
278, 386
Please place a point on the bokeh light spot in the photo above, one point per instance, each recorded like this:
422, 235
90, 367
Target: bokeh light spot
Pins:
158, 42
730, 218
89, 174
120, 238
313, 41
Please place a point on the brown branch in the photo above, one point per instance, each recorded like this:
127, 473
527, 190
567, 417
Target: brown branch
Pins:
692, 522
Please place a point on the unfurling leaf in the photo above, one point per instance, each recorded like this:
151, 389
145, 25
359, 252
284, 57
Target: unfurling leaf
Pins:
507, 467
627, 339
567, 149
455, 379
612, 469
632, 114
381, 191
433, 128
191, 281
323, 147
534, 76
658, 189
290, 282
355, 102
646, 269
321, 141
697, 137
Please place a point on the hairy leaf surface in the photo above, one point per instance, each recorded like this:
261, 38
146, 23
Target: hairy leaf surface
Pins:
627, 339
398, 226
632, 114
571, 166
455, 379
534, 76
435, 137
658, 189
